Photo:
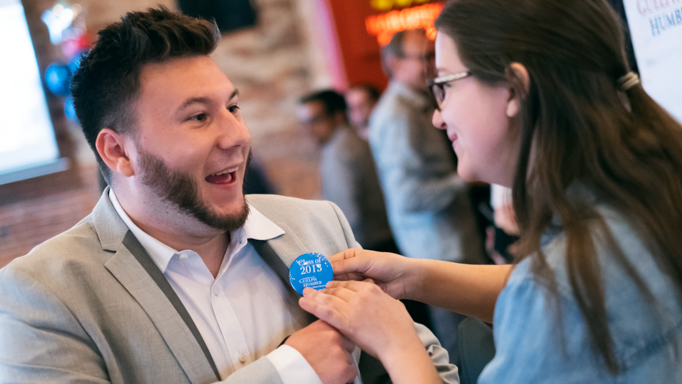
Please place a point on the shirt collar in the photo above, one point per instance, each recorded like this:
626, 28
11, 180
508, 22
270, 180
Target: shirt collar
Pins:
160, 253
338, 133
257, 227
418, 98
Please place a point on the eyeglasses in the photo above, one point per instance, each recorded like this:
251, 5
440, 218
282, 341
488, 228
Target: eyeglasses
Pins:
437, 89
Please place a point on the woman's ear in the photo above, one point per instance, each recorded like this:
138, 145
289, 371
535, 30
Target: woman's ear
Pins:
520, 73
111, 148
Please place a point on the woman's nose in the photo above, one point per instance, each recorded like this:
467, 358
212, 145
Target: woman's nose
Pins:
437, 119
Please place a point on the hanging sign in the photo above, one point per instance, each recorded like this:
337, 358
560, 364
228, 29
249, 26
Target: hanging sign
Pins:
656, 29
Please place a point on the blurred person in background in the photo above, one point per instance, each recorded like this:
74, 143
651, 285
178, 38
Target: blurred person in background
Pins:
538, 96
428, 204
361, 99
256, 181
176, 276
505, 230
347, 171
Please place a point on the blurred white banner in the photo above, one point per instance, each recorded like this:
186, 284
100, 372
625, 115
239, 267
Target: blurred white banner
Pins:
656, 29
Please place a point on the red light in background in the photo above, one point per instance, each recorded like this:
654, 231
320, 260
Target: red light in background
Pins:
383, 26
385, 5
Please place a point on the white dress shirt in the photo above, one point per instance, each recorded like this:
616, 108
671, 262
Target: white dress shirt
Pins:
243, 313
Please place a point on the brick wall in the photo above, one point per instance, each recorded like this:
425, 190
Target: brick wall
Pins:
32, 211
272, 64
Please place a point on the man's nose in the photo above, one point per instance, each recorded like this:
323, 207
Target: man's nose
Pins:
233, 131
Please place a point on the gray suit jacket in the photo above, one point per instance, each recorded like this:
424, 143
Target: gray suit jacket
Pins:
428, 204
349, 180
88, 307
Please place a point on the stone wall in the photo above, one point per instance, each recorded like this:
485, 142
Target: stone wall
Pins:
272, 64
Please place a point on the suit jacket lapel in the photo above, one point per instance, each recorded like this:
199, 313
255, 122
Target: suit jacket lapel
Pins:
280, 252
128, 266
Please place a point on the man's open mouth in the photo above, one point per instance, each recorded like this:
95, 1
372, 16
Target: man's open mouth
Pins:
223, 177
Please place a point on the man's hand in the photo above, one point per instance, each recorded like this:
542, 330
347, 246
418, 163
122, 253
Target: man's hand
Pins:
327, 351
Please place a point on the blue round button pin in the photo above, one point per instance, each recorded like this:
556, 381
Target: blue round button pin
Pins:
310, 270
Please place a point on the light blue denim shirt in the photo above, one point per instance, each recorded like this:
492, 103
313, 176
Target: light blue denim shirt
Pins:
533, 348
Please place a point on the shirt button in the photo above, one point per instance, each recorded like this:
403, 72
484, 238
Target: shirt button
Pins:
216, 291
242, 358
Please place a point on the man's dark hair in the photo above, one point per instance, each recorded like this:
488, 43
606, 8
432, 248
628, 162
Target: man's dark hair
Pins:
372, 91
108, 81
394, 48
333, 101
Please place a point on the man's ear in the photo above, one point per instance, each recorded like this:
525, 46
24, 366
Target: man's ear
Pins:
111, 148
392, 64
520, 74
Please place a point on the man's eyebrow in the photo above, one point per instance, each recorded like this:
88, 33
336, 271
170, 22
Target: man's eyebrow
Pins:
203, 100
193, 100
234, 93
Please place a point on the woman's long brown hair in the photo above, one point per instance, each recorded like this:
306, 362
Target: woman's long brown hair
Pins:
580, 129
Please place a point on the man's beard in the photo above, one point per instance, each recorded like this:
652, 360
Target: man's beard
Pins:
179, 189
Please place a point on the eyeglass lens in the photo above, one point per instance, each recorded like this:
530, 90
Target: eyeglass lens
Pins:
437, 94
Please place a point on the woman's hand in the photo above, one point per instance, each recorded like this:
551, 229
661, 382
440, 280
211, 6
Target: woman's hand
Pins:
377, 323
361, 311
394, 274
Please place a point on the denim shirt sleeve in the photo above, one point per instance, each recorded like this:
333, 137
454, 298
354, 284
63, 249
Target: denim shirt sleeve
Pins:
542, 338
530, 346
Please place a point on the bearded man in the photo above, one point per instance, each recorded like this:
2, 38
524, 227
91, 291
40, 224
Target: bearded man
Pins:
176, 276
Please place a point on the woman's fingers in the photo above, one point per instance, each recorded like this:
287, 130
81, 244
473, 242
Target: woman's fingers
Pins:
352, 263
347, 254
338, 303
329, 308
342, 293
355, 286
345, 265
361, 311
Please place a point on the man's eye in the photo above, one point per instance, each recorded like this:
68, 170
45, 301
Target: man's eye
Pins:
233, 109
198, 117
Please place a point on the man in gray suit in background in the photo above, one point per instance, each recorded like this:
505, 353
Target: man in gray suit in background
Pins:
176, 276
349, 178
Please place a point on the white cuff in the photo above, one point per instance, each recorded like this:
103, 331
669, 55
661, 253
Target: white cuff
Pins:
292, 367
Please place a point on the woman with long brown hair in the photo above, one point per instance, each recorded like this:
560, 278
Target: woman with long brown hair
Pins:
537, 95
